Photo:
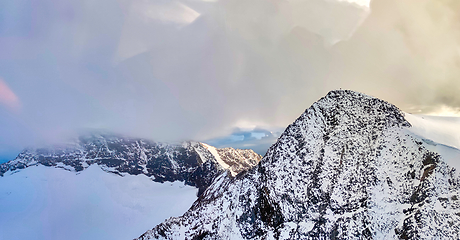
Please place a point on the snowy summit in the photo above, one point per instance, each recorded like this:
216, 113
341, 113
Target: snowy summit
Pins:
348, 168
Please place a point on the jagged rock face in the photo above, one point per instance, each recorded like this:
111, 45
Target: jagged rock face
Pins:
190, 162
347, 168
239, 160
235, 160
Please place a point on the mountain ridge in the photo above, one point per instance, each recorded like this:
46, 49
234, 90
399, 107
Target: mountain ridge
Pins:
190, 162
345, 169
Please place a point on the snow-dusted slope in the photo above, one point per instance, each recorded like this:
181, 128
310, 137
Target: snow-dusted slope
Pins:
347, 168
235, 160
238, 160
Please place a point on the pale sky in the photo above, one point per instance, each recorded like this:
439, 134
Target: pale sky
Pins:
188, 69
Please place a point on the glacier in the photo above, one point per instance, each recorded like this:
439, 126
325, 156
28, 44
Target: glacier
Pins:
41, 202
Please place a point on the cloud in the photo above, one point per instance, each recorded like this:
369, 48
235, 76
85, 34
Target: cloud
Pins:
7, 97
241, 61
257, 139
149, 23
406, 52
173, 70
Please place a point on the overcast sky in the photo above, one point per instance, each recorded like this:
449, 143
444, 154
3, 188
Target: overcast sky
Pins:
197, 69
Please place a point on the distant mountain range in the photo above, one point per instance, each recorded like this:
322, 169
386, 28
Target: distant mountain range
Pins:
196, 164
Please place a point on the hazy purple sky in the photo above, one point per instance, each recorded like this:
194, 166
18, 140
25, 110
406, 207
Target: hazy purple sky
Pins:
172, 70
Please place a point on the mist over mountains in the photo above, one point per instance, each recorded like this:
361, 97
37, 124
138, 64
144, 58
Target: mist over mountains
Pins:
205, 68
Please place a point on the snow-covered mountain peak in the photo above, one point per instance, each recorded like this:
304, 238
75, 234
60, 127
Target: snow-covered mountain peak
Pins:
345, 107
347, 168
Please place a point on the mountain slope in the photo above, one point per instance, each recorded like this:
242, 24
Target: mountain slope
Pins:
347, 168
105, 186
190, 162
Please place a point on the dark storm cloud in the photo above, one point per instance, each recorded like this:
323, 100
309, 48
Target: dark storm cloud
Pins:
172, 70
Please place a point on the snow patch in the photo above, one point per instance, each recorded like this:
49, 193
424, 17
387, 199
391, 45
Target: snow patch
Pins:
439, 134
50, 203
216, 155
444, 130
200, 153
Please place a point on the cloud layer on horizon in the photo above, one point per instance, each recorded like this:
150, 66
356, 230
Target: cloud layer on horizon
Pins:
173, 70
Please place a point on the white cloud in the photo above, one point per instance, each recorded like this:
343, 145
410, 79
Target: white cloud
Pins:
148, 23
196, 69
